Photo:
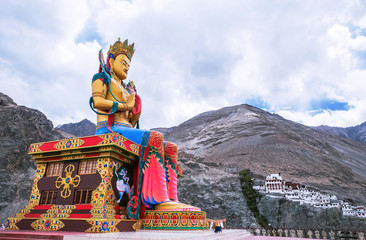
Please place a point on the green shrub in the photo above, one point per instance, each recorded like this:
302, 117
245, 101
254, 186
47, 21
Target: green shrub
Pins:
252, 196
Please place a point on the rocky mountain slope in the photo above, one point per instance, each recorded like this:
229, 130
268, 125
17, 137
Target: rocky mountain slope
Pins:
282, 213
357, 133
80, 129
243, 137
19, 127
216, 145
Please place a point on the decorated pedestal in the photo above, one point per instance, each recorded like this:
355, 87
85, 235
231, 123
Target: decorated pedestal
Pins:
88, 184
175, 220
74, 188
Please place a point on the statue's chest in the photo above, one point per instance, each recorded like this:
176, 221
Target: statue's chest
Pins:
118, 90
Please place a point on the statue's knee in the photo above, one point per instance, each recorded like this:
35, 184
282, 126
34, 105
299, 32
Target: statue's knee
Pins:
170, 148
156, 139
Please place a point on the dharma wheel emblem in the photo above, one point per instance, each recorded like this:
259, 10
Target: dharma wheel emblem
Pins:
67, 181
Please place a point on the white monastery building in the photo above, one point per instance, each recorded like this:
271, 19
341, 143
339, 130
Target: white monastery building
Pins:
275, 184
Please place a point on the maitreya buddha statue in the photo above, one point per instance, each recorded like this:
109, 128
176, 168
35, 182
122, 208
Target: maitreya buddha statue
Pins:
118, 109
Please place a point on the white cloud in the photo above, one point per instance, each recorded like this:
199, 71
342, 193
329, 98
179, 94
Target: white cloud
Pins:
191, 56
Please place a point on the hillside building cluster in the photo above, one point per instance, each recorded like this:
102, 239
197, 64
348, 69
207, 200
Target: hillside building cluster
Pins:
275, 185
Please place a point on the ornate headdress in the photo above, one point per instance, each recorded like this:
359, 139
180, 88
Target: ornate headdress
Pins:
121, 48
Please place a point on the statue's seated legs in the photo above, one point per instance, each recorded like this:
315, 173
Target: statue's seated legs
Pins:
126, 130
171, 162
159, 185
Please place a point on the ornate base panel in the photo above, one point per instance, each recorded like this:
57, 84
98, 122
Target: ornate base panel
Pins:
175, 220
75, 225
80, 218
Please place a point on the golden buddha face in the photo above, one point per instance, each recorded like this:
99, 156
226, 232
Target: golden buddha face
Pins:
120, 66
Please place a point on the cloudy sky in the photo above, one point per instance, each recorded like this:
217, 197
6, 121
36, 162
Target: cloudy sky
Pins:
305, 60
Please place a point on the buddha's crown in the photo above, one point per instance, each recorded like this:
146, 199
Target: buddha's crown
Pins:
121, 48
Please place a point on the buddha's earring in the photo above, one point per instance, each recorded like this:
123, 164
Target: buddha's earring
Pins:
112, 73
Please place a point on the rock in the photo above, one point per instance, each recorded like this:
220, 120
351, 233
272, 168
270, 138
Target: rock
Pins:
6, 100
216, 192
282, 213
19, 127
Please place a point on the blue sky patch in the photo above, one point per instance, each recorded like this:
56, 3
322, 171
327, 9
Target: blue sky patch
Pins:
356, 31
315, 106
330, 105
258, 103
361, 57
89, 34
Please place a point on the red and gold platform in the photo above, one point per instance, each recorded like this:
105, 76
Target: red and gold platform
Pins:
75, 189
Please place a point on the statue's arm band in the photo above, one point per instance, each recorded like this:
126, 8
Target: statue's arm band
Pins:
98, 94
114, 108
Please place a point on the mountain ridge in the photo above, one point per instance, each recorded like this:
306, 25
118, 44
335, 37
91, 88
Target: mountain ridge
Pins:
244, 137
83, 128
253, 134
357, 133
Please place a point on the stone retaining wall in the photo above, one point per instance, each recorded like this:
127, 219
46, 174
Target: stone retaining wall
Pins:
309, 233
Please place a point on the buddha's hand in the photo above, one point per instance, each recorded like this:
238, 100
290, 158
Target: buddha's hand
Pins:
128, 105
130, 102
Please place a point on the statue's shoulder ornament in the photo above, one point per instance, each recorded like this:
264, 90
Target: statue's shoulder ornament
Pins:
103, 77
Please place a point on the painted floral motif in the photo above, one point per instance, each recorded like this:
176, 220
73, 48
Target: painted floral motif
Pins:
59, 211
174, 220
35, 148
101, 225
11, 223
104, 212
118, 139
103, 194
47, 225
69, 143
35, 194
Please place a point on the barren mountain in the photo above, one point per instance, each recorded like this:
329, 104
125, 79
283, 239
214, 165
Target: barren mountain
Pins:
245, 137
357, 133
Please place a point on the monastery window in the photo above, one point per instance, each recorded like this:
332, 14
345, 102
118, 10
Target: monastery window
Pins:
48, 197
88, 166
54, 169
82, 196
